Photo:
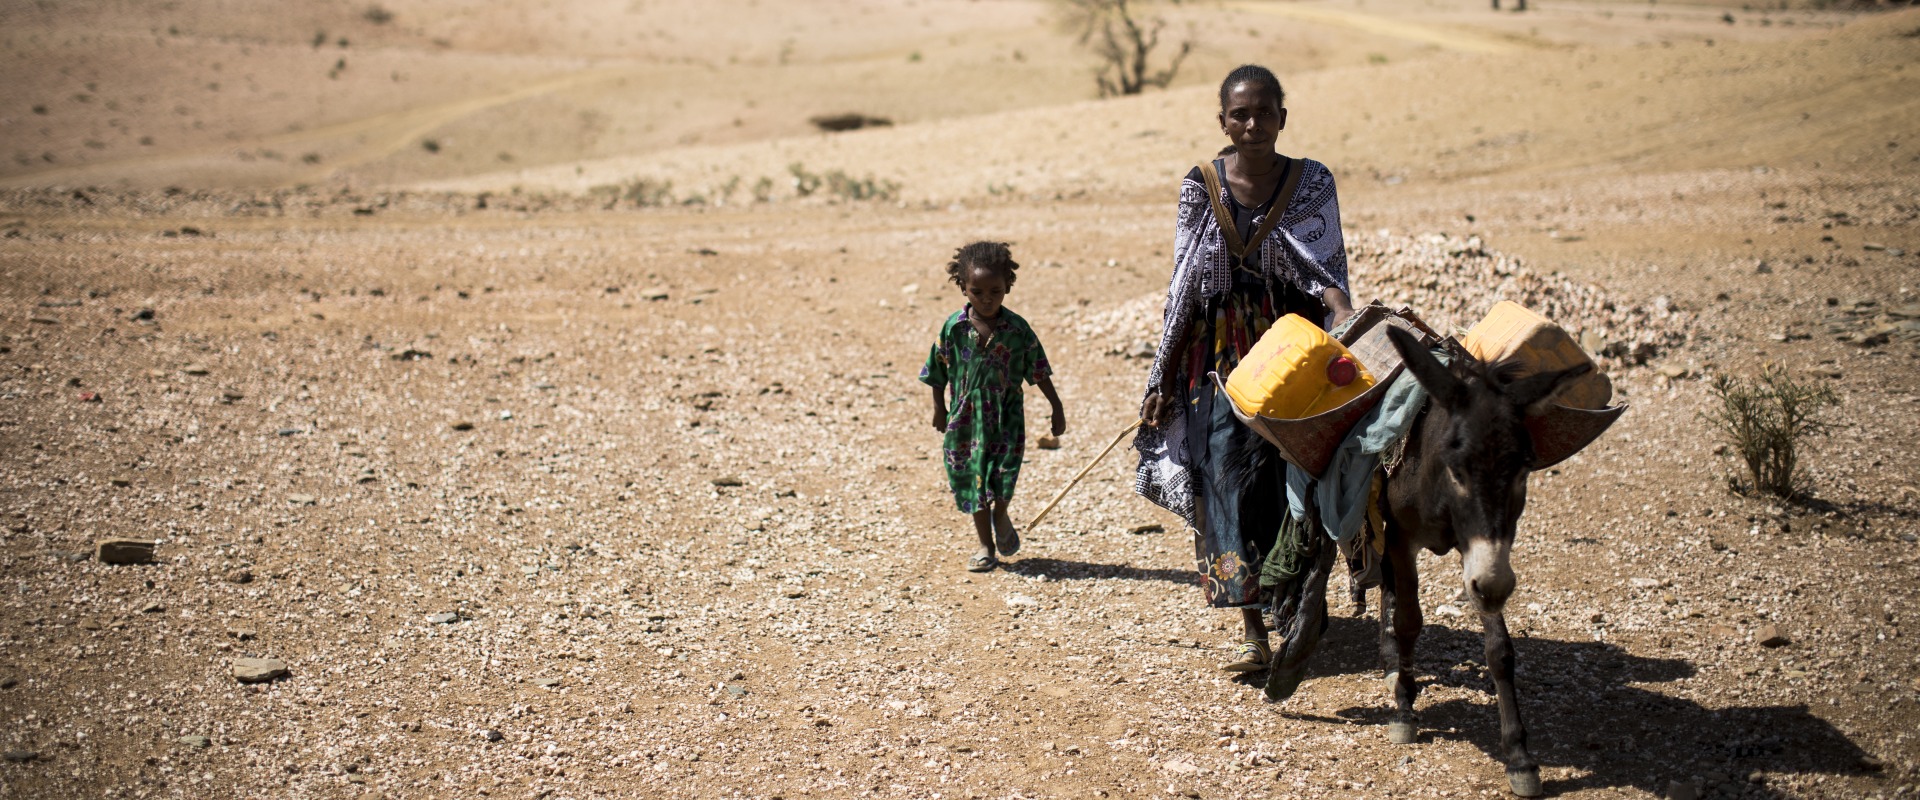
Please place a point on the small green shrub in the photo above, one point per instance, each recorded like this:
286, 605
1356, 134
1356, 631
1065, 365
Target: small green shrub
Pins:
839, 184
804, 183
639, 192
1766, 419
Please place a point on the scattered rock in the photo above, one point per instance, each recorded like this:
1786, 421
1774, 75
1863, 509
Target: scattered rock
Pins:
1771, 636
88, 397
1682, 790
1447, 611
728, 480
1179, 767
240, 576
195, 742
462, 425
301, 499
1047, 442
120, 481
1644, 583
194, 369
258, 670
444, 618
411, 354
243, 634
125, 551
1151, 527
143, 315
546, 683
21, 756
655, 293
290, 431
491, 735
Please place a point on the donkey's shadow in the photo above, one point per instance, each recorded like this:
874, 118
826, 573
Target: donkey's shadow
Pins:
1585, 711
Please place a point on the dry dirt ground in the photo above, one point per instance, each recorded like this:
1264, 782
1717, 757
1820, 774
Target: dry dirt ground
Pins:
668, 467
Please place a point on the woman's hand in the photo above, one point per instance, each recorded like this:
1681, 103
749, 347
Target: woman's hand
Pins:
1337, 303
1059, 421
1156, 410
940, 419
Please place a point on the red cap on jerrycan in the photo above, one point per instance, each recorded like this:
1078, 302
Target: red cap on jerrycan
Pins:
1341, 371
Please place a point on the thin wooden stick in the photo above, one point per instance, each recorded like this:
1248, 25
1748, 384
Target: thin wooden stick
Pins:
1083, 473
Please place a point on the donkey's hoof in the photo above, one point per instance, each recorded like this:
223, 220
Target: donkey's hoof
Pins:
1282, 683
1401, 732
1525, 782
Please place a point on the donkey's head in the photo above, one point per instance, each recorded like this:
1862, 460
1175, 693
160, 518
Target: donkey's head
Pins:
1474, 455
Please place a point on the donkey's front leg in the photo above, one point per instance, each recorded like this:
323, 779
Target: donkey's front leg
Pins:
1400, 623
1523, 775
1302, 637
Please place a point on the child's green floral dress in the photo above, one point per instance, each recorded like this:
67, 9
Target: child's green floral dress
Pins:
986, 426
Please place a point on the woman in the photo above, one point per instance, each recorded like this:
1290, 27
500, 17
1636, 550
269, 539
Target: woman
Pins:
1228, 287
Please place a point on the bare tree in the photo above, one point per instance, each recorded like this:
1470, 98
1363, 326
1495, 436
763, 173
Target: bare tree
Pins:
1123, 37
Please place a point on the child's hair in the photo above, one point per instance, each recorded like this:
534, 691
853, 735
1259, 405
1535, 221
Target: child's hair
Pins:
995, 256
1254, 74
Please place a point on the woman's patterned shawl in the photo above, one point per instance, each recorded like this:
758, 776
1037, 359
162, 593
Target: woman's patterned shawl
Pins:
1306, 250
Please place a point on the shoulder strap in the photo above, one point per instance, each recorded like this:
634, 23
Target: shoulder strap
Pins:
1231, 232
1221, 215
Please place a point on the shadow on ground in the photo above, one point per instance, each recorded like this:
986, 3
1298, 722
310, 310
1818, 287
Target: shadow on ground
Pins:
1064, 570
1585, 711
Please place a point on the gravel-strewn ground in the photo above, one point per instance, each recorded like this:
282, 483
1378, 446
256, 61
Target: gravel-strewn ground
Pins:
670, 472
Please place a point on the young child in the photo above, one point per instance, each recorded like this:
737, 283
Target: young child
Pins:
983, 355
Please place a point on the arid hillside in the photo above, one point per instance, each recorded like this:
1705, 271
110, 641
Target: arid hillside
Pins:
534, 385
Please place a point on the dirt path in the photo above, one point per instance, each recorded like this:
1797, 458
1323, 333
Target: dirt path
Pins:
372, 138
1441, 36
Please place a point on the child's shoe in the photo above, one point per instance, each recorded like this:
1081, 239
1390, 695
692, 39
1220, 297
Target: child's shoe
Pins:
1005, 538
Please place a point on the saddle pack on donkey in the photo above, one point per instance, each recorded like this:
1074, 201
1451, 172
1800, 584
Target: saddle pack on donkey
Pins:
1431, 451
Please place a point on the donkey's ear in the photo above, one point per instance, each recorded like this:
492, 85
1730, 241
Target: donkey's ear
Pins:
1535, 392
1439, 381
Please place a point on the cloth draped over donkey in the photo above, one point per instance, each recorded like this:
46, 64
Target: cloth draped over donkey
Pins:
1216, 307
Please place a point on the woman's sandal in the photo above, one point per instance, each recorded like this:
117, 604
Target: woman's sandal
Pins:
1006, 538
1254, 655
980, 563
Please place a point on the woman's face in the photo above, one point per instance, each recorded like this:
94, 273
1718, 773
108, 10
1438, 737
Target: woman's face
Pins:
1252, 118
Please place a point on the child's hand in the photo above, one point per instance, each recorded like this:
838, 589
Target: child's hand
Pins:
1059, 422
940, 420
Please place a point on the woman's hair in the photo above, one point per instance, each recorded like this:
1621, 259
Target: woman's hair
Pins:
995, 256
1257, 75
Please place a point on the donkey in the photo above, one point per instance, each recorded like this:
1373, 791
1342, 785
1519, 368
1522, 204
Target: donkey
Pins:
1462, 486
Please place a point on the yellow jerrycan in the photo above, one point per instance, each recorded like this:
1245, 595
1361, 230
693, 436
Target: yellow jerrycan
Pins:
1513, 331
1296, 371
